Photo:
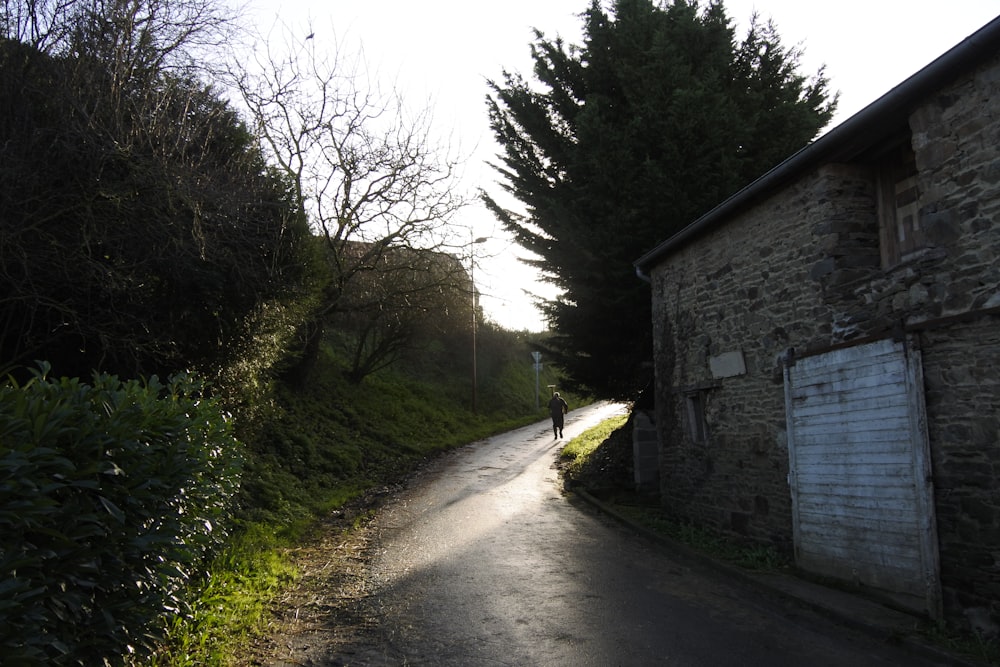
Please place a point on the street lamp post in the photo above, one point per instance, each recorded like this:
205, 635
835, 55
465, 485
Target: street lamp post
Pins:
472, 279
537, 356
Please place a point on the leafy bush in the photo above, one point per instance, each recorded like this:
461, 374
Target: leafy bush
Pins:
111, 496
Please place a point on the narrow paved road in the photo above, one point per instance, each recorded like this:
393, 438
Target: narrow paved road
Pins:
483, 560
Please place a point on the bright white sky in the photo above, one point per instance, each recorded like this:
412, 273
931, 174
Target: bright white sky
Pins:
439, 53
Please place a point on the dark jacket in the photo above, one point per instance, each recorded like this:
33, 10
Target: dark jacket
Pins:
558, 406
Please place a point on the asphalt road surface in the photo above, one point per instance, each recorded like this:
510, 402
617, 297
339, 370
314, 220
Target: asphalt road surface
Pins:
484, 560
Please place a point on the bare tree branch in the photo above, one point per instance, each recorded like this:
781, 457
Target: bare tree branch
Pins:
368, 174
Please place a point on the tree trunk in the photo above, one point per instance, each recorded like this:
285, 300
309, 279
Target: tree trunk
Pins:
301, 364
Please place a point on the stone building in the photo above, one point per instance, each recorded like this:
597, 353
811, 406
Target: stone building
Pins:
827, 349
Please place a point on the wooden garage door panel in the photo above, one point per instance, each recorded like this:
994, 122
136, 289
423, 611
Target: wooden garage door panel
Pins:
871, 377
856, 452
884, 431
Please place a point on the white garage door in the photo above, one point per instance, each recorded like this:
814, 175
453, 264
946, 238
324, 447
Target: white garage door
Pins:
862, 497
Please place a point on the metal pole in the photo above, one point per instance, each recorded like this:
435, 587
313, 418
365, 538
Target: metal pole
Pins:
472, 279
537, 356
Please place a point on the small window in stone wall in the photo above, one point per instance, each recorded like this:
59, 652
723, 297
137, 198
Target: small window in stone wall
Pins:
900, 233
697, 427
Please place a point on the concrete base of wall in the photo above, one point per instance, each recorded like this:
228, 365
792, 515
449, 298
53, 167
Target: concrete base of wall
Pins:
645, 453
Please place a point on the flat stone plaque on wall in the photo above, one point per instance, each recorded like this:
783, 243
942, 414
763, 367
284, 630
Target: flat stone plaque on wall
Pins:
727, 364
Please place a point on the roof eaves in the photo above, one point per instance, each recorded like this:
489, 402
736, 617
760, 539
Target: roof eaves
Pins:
847, 140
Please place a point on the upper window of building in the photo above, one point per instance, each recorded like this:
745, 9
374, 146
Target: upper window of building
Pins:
901, 235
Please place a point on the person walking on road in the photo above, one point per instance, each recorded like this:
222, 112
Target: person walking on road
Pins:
558, 407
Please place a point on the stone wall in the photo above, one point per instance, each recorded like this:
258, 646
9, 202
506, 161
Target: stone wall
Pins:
962, 388
747, 287
802, 271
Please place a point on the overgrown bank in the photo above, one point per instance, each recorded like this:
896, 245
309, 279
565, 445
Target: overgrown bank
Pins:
331, 443
330, 438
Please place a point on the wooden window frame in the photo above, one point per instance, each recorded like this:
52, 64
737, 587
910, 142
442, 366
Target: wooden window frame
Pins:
694, 404
901, 236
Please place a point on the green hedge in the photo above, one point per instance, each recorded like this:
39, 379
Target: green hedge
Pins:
111, 496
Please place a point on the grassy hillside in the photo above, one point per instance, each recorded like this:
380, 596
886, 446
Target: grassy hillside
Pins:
331, 439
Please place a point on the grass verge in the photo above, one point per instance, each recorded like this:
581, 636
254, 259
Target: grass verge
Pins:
581, 450
233, 604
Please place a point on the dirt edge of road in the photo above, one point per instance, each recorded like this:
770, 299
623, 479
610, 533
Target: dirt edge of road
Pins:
328, 608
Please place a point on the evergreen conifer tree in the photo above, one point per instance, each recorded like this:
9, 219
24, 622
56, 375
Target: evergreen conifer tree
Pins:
657, 117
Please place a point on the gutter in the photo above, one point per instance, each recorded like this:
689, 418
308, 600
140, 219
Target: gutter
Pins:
847, 140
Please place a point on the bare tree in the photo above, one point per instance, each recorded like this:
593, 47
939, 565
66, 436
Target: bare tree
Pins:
414, 297
42, 24
369, 176
136, 34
